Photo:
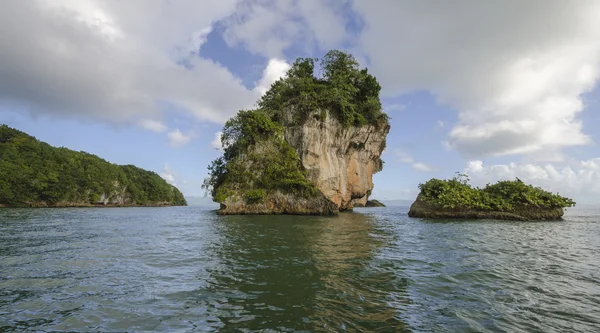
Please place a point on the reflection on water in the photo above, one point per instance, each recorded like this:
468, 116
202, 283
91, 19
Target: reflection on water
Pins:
298, 273
353, 278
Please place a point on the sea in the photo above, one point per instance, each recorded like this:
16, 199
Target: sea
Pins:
185, 269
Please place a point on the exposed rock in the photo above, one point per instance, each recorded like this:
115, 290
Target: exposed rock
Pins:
279, 203
374, 203
421, 208
339, 160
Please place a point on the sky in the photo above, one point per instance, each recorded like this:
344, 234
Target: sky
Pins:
496, 90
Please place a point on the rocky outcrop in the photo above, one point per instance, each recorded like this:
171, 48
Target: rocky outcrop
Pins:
245, 196
374, 203
279, 203
421, 208
339, 160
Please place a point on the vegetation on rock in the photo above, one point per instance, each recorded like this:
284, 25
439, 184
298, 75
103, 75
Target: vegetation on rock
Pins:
34, 173
504, 196
257, 161
351, 93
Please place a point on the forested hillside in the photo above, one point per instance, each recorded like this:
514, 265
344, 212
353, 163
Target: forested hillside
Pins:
33, 173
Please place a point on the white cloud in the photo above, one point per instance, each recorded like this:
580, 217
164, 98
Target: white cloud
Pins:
439, 124
270, 27
275, 70
577, 179
198, 39
168, 175
153, 125
515, 71
393, 107
115, 60
178, 138
421, 167
216, 142
403, 157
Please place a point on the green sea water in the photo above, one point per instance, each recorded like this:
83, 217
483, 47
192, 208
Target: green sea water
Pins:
184, 269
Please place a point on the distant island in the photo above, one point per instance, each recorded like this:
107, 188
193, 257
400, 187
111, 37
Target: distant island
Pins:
505, 200
35, 174
374, 203
311, 147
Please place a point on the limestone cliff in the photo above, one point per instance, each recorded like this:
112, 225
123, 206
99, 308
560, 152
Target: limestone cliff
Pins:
257, 186
339, 160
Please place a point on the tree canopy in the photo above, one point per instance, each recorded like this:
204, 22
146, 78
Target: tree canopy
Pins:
32, 171
351, 93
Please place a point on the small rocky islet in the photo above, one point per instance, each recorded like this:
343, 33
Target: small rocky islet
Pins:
504, 200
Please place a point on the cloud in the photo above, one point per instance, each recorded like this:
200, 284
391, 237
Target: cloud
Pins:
403, 157
393, 107
270, 27
117, 61
168, 175
178, 138
216, 142
580, 180
153, 125
275, 69
515, 71
421, 167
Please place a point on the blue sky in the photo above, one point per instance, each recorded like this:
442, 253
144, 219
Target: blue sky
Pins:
469, 87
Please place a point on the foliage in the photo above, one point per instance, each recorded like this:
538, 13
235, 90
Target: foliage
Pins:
32, 172
507, 195
256, 158
245, 129
350, 92
255, 195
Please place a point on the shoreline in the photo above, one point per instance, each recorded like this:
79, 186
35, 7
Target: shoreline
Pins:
45, 205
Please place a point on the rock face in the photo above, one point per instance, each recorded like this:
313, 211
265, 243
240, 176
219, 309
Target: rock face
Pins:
253, 162
279, 203
339, 160
421, 208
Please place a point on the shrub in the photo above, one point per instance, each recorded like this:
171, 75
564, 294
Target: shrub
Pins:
507, 195
255, 195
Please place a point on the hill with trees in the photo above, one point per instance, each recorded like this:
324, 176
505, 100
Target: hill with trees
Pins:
35, 174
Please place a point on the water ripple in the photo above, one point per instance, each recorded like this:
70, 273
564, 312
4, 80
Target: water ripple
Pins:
375, 270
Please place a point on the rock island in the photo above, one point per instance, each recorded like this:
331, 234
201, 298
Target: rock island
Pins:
505, 200
311, 146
